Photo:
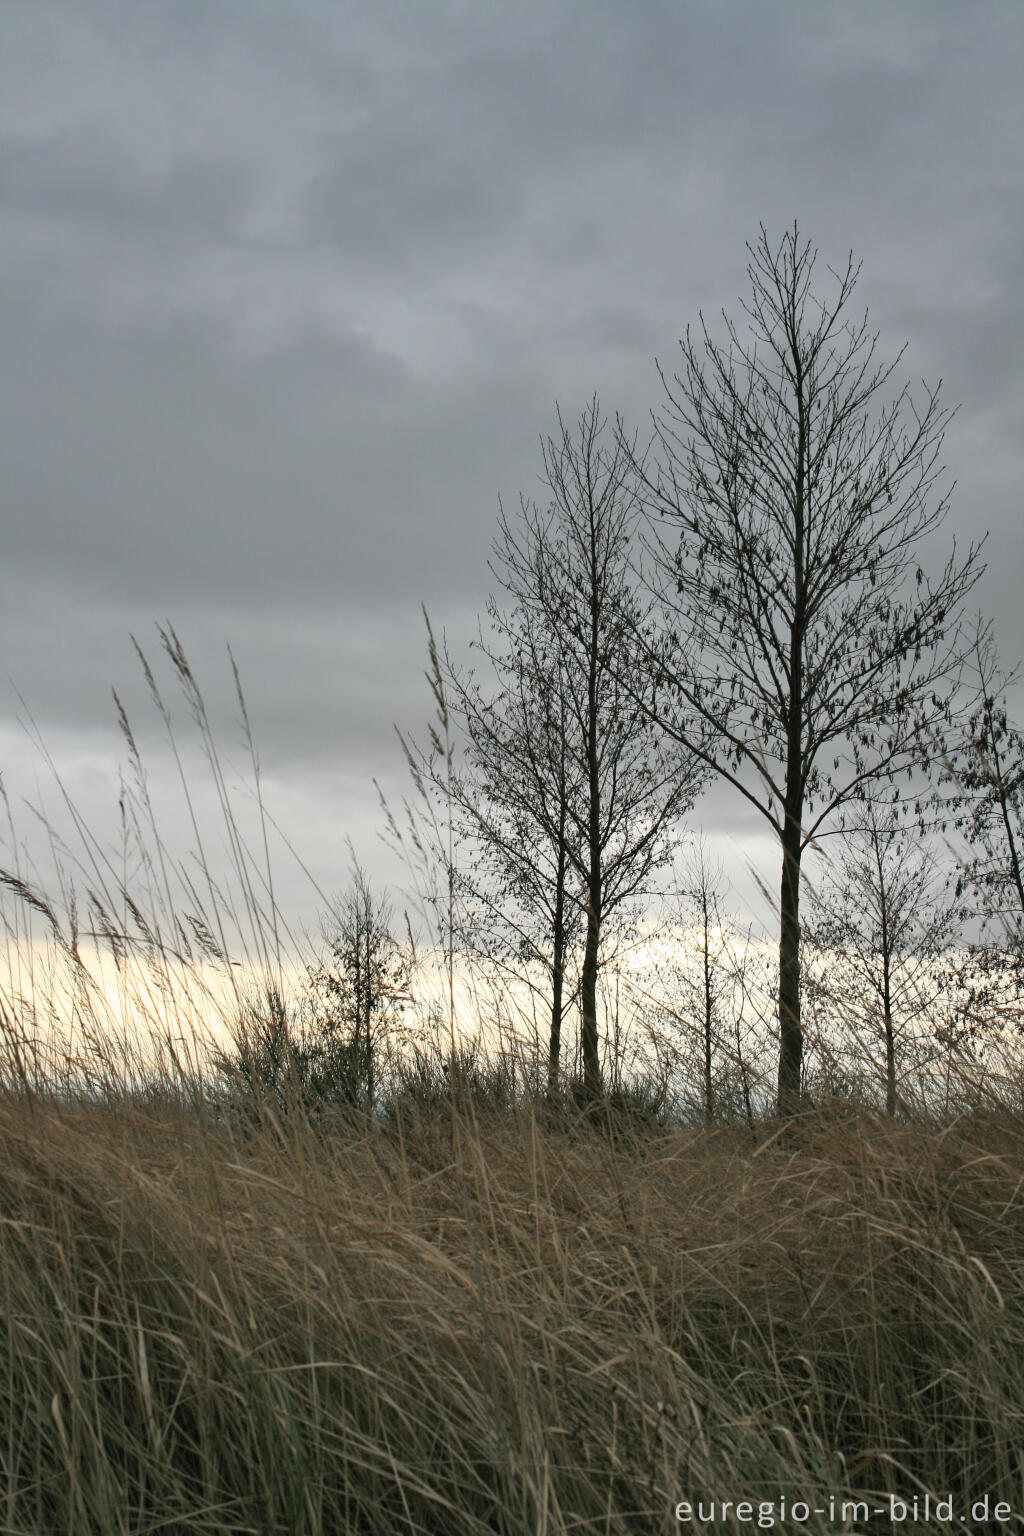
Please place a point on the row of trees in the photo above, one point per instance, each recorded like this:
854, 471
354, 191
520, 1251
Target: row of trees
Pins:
751, 597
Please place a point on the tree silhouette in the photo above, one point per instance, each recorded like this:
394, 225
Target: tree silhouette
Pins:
883, 920
990, 772
357, 994
514, 787
791, 486
575, 795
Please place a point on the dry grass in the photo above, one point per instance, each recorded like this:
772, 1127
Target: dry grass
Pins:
461, 1325
471, 1314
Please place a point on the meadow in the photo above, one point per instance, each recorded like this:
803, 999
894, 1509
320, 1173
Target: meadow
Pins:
470, 1317
228, 1304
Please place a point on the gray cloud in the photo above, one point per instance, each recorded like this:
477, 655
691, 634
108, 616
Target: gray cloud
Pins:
290, 293
74, 182
167, 466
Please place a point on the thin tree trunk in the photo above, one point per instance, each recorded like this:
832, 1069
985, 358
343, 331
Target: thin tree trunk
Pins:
887, 1021
592, 1085
890, 1036
588, 1002
555, 1041
791, 1040
558, 967
355, 1061
744, 1079
890, 1065
709, 1098
371, 1003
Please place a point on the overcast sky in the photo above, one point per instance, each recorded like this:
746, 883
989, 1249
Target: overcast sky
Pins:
289, 292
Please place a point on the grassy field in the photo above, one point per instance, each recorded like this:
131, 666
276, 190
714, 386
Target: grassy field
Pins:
466, 1321
473, 1310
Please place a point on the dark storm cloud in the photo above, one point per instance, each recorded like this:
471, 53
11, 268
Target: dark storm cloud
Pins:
289, 293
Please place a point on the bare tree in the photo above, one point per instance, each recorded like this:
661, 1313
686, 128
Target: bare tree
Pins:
883, 924
707, 985
705, 988
988, 769
573, 797
576, 575
357, 992
805, 654
515, 788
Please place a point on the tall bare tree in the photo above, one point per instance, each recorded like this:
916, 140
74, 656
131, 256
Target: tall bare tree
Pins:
793, 489
577, 796
579, 578
517, 781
